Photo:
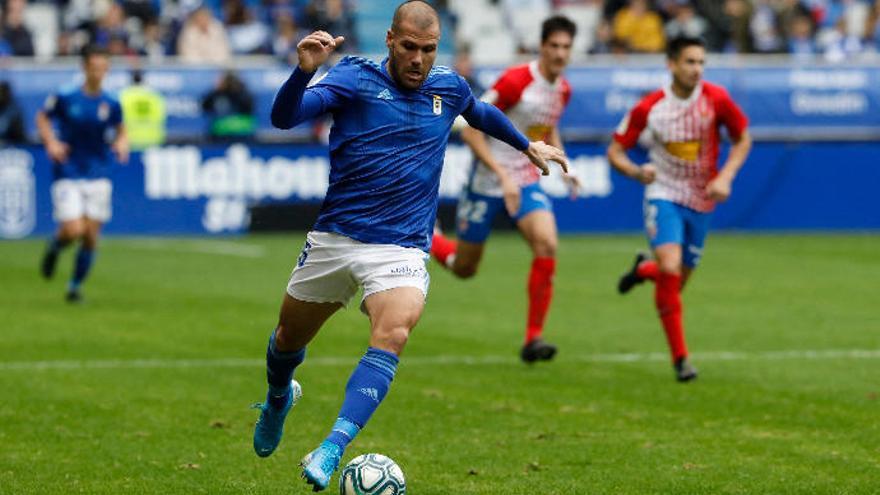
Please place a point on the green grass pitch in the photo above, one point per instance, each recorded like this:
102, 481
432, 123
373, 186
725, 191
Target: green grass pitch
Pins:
146, 388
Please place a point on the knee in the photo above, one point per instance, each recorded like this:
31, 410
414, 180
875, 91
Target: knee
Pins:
545, 248
672, 266
72, 231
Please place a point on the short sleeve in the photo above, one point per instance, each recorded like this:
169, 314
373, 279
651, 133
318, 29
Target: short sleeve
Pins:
338, 86
53, 105
115, 112
466, 95
731, 115
633, 123
508, 89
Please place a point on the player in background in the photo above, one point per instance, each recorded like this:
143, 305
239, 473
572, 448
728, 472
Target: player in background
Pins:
682, 180
391, 123
533, 96
83, 162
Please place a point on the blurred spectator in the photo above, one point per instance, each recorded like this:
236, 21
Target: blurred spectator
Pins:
13, 31
464, 66
764, 27
143, 10
247, 35
334, 17
143, 112
800, 37
230, 109
152, 46
740, 14
718, 25
872, 27
110, 31
11, 120
524, 18
838, 44
685, 21
287, 35
203, 39
639, 27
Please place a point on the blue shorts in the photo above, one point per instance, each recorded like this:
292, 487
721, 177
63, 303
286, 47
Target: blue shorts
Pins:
671, 223
476, 211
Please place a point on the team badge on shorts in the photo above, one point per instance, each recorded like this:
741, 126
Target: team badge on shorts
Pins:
438, 105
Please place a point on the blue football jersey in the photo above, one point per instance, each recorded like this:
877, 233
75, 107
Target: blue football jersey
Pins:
387, 146
85, 123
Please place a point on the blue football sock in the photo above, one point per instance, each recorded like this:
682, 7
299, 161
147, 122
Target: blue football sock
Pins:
279, 371
56, 244
366, 388
82, 265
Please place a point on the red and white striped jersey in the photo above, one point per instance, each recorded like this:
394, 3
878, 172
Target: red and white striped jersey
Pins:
534, 105
684, 137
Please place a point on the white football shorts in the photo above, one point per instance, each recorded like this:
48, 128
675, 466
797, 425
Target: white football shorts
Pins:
332, 267
73, 199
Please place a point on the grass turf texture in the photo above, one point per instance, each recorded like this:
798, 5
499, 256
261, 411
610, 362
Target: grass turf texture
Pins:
577, 425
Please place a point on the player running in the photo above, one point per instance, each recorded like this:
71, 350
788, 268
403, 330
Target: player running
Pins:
533, 96
81, 187
387, 143
683, 182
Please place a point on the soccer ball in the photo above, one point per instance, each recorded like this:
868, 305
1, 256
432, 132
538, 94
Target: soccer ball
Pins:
371, 474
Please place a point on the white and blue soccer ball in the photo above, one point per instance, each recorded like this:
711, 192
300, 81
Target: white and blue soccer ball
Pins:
371, 474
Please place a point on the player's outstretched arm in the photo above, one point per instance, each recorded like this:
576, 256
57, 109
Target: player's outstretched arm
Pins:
620, 161
720, 187
290, 107
493, 122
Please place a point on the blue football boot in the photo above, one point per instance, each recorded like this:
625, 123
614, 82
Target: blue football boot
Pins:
270, 426
319, 465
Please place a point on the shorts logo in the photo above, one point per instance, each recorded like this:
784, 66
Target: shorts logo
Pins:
18, 203
409, 271
304, 254
438, 105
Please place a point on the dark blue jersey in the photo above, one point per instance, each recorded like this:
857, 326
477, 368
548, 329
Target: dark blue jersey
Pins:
85, 123
387, 146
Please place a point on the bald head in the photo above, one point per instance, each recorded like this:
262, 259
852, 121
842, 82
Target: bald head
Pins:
416, 12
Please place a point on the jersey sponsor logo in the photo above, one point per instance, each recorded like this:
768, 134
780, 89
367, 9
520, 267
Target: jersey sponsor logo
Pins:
438, 105
687, 150
538, 132
385, 95
18, 202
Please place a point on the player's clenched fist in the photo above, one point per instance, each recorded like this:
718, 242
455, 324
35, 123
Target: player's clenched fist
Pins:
315, 49
647, 174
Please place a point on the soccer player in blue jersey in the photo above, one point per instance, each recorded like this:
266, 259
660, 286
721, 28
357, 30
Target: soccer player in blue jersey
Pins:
86, 116
391, 126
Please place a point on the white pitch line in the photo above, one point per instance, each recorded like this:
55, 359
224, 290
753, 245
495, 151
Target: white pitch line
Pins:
224, 248
434, 360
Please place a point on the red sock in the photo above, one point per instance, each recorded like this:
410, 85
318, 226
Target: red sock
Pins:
442, 248
648, 270
667, 296
540, 293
